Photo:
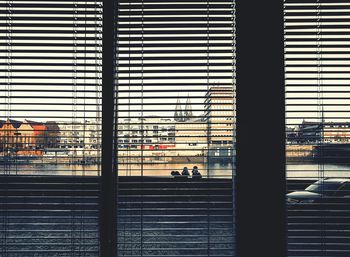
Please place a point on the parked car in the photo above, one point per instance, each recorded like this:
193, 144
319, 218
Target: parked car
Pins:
327, 190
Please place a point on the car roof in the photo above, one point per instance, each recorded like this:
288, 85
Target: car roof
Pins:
336, 180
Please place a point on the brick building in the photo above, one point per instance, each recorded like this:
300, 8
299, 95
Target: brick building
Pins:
27, 135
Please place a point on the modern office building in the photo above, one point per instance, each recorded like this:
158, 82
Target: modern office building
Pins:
219, 114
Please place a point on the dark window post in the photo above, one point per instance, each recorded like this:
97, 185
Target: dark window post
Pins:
260, 181
108, 230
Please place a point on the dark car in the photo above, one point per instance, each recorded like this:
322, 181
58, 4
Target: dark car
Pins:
327, 190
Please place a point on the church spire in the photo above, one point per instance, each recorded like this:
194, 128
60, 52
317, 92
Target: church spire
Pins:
178, 116
188, 109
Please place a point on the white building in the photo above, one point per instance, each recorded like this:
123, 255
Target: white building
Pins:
81, 138
154, 135
219, 114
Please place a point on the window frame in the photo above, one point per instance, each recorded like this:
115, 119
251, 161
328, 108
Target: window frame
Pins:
260, 184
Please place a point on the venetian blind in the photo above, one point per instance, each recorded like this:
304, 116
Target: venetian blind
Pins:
175, 91
51, 86
50, 127
318, 125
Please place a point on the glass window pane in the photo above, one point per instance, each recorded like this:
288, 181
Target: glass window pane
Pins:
175, 98
317, 119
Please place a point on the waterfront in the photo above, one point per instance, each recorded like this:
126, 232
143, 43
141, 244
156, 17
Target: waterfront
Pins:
316, 170
161, 169
293, 169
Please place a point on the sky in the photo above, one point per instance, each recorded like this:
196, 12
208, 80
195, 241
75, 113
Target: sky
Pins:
70, 89
319, 89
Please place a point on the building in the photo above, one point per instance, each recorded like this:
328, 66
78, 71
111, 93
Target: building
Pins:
219, 114
80, 138
313, 132
150, 139
214, 130
184, 115
32, 134
178, 116
9, 135
148, 133
191, 137
27, 135
52, 134
309, 132
188, 115
336, 132
291, 135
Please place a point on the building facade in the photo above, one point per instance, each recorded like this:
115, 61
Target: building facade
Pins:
191, 137
313, 132
155, 136
81, 138
219, 114
20, 136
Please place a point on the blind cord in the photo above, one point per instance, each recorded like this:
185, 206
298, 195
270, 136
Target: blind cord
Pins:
82, 212
7, 168
142, 122
10, 141
233, 34
208, 127
321, 163
74, 123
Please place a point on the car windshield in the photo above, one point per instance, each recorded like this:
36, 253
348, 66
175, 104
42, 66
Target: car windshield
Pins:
323, 187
